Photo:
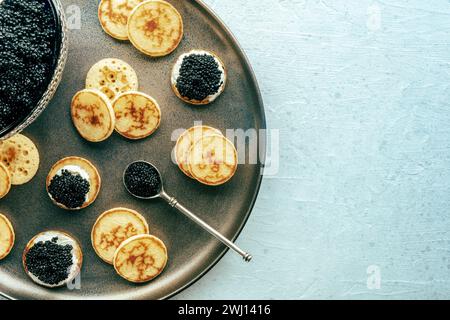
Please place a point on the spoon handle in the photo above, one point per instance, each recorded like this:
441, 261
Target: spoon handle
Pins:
174, 203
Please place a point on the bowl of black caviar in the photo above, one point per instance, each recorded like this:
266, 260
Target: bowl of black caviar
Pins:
33, 53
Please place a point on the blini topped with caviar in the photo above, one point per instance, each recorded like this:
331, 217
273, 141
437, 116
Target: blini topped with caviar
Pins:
198, 77
73, 183
52, 259
27, 59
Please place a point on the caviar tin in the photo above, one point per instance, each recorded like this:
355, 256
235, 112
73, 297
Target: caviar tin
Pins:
60, 56
192, 252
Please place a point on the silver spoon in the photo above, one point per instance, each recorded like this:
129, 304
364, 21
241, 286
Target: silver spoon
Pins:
174, 203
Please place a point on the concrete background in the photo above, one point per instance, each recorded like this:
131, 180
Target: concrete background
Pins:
360, 207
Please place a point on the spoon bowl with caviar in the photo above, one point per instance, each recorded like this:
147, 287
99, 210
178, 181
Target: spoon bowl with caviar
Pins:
143, 180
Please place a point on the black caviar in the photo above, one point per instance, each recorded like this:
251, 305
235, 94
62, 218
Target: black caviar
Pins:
27, 48
69, 189
49, 261
142, 180
199, 77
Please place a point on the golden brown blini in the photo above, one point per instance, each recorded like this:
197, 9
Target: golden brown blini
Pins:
20, 155
77, 166
140, 258
112, 77
185, 143
93, 115
112, 228
155, 28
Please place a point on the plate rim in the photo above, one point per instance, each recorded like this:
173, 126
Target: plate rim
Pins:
263, 122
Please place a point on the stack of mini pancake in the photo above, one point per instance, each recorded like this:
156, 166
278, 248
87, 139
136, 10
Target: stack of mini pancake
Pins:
111, 101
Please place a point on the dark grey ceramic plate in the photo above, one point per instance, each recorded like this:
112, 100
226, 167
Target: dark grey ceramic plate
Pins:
192, 252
